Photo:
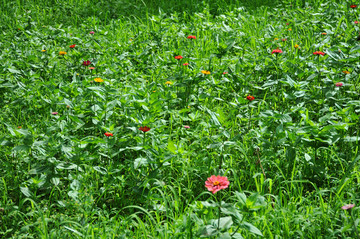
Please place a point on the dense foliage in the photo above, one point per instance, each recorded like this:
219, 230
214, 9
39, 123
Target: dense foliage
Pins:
112, 121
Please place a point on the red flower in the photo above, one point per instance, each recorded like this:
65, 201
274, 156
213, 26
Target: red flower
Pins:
191, 37
72, 46
107, 134
216, 183
353, 6
356, 22
287, 24
339, 84
250, 97
144, 129
178, 57
86, 63
277, 51
225, 72
318, 53
185, 64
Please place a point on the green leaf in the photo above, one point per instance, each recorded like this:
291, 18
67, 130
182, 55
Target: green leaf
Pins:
171, 147
140, 162
26, 191
251, 228
208, 231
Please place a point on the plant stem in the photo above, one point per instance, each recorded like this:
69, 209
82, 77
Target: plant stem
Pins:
355, 228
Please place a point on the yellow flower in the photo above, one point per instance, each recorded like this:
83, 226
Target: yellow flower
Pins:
346, 72
205, 72
62, 53
276, 39
289, 29
43, 50
296, 46
168, 83
98, 80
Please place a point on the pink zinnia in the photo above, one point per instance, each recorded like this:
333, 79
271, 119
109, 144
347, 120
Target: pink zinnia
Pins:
347, 207
287, 24
356, 22
277, 51
86, 63
216, 183
284, 39
54, 113
92, 32
178, 57
191, 37
185, 64
186, 126
339, 84
225, 72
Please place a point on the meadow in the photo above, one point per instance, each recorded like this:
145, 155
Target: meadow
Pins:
179, 119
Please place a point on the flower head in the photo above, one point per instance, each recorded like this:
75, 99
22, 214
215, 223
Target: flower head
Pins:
296, 46
323, 33
284, 39
72, 46
339, 84
216, 183
92, 32
186, 126
348, 206
186, 64
98, 79
275, 39
191, 37
86, 63
168, 83
289, 29
19, 127
353, 6
277, 51
225, 72
287, 24
107, 134
178, 57
144, 129
43, 50
346, 72
91, 68
250, 97
61, 53
54, 113
205, 72
318, 53
356, 22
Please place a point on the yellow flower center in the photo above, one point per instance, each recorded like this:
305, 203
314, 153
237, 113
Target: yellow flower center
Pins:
206, 72
276, 39
296, 46
98, 80
62, 53
43, 50
216, 183
168, 83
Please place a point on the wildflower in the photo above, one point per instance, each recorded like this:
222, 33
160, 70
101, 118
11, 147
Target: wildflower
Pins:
225, 72
205, 72
296, 46
86, 63
287, 24
250, 97
98, 79
347, 207
91, 68
339, 84
318, 53
289, 29
68, 106
61, 53
346, 72
168, 83
277, 51
324, 33
144, 129
284, 39
92, 32
353, 6
191, 37
19, 127
72, 46
43, 50
54, 113
216, 183
186, 64
276, 39
178, 57
356, 22
186, 126
107, 134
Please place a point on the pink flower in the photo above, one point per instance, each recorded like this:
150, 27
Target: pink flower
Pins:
216, 183
347, 207
54, 113
92, 32
186, 126
186, 64
277, 51
339, 84
356, 22
287, 24
284, 39
225, 72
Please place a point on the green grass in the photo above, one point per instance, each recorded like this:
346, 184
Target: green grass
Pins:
291, 154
